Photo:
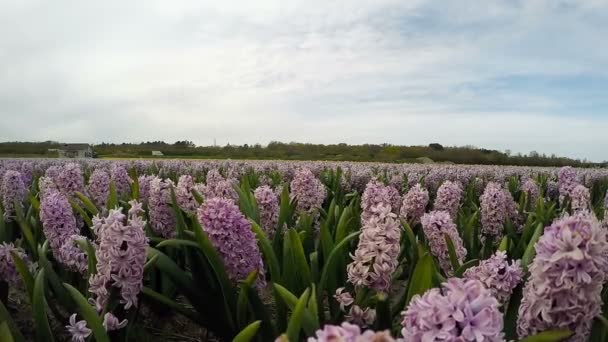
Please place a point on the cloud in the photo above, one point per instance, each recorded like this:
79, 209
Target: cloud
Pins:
519, 75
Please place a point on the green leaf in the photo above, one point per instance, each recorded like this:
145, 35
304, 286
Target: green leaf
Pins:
471, 263
88, 204
270, 257
177, 243
530, 251
343, 224
6, 318
197, 196
135, 184
179, 216
248, 333
86, 246
549, 336
242, 304
26, 230
309, 323
452, 252
301, 264
218, 268
169, 303
41, 321
24, 272
383, 313
329, 267
88, 313
293, 327
81, 212
422, 277
112, 201
5, 333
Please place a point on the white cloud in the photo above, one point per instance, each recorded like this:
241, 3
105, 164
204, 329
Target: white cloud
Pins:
403, 72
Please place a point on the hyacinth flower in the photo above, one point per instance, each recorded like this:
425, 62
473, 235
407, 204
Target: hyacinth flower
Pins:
566, 278
217, 186
70, 179
8, 271
60, 228
268, 206
162, 219
414, 204
448, 198
532, 191
122, 180
13, 193
566, 181
497, 275
580, 199
231, 235
347, 332
462, 310
121, 256
395, 198
375, 258
144, 187
183, 194
99, 187
493, 210
308, 191
375, 193
436, 225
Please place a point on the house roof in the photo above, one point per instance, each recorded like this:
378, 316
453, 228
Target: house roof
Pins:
74, 147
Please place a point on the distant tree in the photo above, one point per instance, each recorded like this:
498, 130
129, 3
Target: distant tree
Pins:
436, 146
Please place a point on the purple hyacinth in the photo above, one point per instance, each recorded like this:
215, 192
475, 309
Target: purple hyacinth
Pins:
448, 198
183, 194
395, 198
375, 194
8, 271
308, 191
13, 192
566, 278
414, 204
70, 179
552, 192
143, 182
493, 210
217, 186
268, 205
580, 198
59, 227
497, 275
347, 332
78, 330
375, 258
162, 220
121, 256
567, 181
530, 188
436, 225
122, 180
462, 310
99, 187
231, 234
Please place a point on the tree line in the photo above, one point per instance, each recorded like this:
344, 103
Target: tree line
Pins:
302, 151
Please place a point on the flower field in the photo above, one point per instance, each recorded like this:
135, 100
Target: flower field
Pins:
94, 250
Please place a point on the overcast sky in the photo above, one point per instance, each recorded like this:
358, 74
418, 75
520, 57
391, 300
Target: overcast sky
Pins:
519, 75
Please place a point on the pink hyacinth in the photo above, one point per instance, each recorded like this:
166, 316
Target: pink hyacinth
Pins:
308, 191
183, 194
566, 278
448, 198
162, 219
231, 235
13, 193
414, 204
497, 275
121, 256
375, 258
436, 225
462, 310
268, 205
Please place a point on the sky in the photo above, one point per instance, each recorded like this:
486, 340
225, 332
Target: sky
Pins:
519, 75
